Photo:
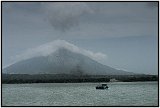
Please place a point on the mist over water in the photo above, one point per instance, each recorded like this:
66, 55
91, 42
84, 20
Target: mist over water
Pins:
81, 94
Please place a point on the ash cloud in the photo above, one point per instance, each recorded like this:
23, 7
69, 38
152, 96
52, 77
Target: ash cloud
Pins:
51, 47
65, 15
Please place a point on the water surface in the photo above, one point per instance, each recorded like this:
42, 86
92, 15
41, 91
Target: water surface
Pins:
80, 94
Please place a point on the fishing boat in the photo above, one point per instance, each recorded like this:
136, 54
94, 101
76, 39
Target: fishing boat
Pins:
102, 86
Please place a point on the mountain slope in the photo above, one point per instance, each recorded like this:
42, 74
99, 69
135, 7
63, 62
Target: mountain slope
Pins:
62, 61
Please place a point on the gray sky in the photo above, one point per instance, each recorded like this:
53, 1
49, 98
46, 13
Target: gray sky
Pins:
125, 32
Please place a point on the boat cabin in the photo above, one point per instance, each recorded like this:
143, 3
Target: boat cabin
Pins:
102, 86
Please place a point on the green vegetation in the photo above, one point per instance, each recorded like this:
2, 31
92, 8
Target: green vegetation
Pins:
68, 78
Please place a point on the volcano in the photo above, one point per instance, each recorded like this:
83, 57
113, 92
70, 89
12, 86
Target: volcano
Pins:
61, 60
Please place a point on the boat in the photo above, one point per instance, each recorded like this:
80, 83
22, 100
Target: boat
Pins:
102, 86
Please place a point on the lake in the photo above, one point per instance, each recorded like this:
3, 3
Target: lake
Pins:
80, 94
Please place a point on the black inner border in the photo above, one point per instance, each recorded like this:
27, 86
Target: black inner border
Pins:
79, 1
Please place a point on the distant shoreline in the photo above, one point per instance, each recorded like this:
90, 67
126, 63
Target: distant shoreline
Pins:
63, 78
80, 82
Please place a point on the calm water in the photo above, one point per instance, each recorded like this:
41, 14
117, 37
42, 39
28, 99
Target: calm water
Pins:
80, 94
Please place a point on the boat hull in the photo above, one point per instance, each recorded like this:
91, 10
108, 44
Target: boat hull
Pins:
101, 87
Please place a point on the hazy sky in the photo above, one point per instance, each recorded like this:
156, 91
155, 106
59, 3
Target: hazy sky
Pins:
125, 33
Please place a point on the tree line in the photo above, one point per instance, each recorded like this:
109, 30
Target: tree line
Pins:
66, 78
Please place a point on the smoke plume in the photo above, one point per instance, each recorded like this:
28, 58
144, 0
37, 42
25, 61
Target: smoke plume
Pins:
65, 15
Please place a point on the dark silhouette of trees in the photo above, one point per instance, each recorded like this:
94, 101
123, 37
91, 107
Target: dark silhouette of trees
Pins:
70, 78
